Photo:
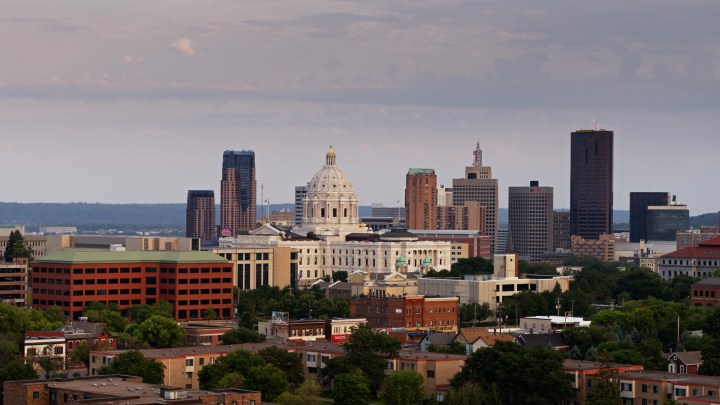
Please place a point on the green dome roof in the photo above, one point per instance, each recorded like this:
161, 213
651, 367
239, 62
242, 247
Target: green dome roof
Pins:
401, 261
426, 262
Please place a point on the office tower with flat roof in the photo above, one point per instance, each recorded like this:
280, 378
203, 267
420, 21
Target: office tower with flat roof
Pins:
300, 192
238, 192
639, 203
479, 186
530, 219
665, 221
591, 183
200, 215
561, 230
421, 199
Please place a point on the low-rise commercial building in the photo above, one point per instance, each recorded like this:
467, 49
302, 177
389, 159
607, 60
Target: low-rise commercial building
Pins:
411, 312
190, 281
705, 292
117, 390
256, 266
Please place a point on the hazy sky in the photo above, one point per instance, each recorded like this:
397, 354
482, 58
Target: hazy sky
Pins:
135, 101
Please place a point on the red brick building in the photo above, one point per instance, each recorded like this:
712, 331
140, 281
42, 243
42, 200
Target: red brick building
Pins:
191, 281
705, 292
411, 312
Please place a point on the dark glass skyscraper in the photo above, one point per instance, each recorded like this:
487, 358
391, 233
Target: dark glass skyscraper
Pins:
639, 203
591, 183
238, 192
200, 215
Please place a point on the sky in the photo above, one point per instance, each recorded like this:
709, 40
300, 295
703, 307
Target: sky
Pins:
135, 101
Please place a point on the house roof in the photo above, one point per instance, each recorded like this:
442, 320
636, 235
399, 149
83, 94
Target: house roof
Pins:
688, 358
82, 330
94, 256
441, 338
471, 335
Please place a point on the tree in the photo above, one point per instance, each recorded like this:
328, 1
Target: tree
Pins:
269, 380
231, 380
209, 314
366, 349
531, 375
289, 363
17, 248
159, 332
13, 371
141, 313
452, 348
351, 389
604, 391
240, 361
133, 363
711, 359
81, 353
404, 387
474, 394
340, 275
241, 335
306, 394
469, 313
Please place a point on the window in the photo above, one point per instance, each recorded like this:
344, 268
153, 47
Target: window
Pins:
188, 362
36, 394
431, 374
188, 374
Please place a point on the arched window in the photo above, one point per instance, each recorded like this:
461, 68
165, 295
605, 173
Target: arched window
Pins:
316, 273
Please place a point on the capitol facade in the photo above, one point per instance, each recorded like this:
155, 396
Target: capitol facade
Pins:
332, 238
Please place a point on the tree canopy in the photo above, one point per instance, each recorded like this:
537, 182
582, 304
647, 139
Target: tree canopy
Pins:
17, 247
522, 375
159, 332
133, 363
404, 387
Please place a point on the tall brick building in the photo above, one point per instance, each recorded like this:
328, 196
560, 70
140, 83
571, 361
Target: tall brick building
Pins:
200, 215
190, 281
421, 199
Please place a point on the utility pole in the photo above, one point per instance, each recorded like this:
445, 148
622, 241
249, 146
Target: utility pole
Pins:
557, 306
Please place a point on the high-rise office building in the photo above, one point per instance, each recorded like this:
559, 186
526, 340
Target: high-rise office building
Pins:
421, 199
479, 186
665, 221
591, 183
300, 192
561, 230
200, 215
530, 219
238, 192
639, 203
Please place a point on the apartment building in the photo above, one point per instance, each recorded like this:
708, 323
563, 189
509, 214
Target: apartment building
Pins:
14, 283
413, 312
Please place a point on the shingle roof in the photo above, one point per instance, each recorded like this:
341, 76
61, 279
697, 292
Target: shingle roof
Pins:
689, 358
471, 335
709, 281
88, 256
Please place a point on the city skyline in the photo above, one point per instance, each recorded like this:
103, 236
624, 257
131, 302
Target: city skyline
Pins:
108, 102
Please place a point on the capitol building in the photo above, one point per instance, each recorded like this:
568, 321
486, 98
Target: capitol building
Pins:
332, 238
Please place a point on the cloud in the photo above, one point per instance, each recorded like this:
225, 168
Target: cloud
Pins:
527, 67
131, 59
184, 46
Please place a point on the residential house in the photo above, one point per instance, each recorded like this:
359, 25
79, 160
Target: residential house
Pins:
478, 338
684, 362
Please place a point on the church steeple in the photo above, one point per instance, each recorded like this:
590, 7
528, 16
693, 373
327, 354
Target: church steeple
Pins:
330, 157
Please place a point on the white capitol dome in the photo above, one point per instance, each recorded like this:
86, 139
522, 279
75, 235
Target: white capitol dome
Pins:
330, 204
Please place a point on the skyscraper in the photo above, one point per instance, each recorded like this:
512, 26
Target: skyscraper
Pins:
300, 192
479, 186
591, 183
200, 215
639, 203
665, 221
530, 219
421, 199
238, 192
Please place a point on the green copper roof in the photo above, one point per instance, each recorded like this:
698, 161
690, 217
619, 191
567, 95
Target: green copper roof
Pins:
400, 261
416, 171
87, 256
426, 261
